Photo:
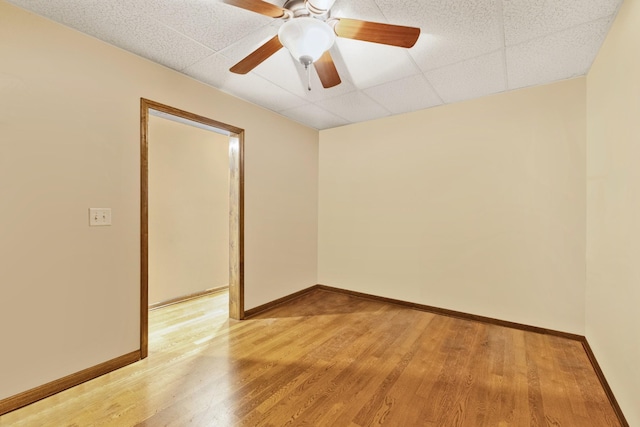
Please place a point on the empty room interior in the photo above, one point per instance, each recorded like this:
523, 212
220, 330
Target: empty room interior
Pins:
435, 221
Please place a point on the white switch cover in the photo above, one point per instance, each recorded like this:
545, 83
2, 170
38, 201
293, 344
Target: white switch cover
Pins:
99, 216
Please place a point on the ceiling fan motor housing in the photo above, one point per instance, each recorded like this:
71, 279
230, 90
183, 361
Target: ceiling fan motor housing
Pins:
298, 8
319, 7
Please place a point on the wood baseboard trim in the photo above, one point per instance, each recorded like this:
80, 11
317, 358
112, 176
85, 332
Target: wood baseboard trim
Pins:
604, 383
463, 316
457, 314
513, 325
30, 396
264, 307
184, 298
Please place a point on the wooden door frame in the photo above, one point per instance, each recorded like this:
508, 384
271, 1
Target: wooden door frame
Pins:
236, 212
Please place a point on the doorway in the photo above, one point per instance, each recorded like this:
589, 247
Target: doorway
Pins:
236, 207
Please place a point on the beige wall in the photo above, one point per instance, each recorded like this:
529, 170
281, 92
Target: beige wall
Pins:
613, 209
69, 140
477, 206
188, 209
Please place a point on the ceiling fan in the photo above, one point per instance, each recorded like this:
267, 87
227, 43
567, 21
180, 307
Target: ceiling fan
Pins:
310, 31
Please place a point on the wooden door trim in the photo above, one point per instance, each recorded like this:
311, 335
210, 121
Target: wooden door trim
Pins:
236, 209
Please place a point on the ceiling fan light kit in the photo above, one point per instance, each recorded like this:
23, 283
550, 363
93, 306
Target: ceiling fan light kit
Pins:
306, 39
309, 32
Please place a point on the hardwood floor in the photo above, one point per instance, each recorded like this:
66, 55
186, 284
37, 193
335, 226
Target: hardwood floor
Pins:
329, 359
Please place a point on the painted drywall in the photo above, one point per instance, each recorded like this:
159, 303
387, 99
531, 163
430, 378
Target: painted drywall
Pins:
69, 140
188, 209
477, 206
613, 209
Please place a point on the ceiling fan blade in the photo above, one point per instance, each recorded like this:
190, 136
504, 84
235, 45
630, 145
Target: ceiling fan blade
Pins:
256, 57
326, 70
376, 32
258, 6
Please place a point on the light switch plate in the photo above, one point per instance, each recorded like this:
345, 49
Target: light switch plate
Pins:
99, 217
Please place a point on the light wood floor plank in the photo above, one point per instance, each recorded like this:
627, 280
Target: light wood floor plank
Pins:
331, 359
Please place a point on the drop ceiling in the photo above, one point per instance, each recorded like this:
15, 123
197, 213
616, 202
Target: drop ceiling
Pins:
467, 49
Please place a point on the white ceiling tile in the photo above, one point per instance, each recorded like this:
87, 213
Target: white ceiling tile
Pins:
214, 70
408, 94
102, 20
528, 19
262, 92
243, 47
371, 64
558, 56
212, 23
123, 25
451, 31
354, 106
469, 79
314, 116
152, 40
460, 49
83, 15
366, 10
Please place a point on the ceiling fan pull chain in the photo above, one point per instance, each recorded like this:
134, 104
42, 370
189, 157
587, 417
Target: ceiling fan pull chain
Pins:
306, 67
306, 60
